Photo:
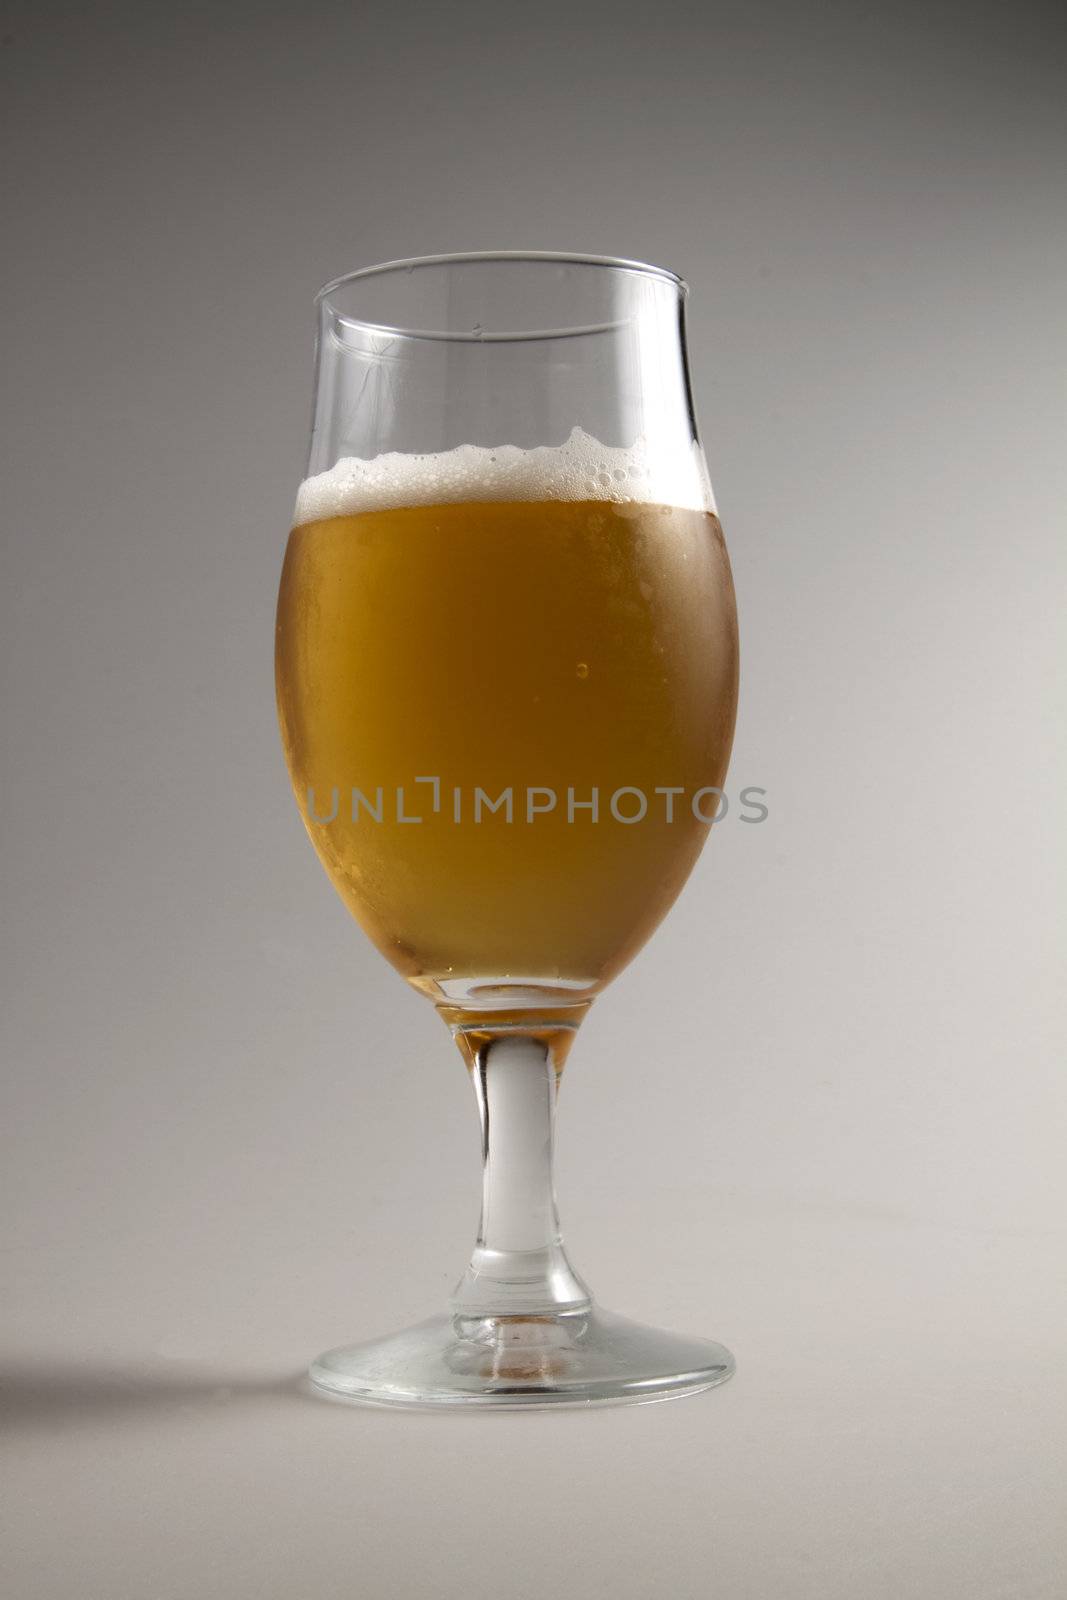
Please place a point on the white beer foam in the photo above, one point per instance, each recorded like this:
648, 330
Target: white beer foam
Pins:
580, 469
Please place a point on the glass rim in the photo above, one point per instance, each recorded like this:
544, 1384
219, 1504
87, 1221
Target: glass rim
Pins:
406, 264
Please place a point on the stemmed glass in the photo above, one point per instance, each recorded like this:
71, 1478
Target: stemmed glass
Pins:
507, 682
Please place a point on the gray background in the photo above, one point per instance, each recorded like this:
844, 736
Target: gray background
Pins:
820, 1117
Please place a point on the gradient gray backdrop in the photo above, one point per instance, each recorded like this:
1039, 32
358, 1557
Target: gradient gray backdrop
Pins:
820, 1117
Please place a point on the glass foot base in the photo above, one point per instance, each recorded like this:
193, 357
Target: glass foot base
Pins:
571, 1358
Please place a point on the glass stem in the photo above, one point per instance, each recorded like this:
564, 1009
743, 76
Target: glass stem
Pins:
519, 1266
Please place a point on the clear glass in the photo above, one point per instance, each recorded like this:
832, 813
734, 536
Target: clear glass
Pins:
507, 682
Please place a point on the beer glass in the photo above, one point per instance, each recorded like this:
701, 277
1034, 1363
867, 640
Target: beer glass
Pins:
507, 681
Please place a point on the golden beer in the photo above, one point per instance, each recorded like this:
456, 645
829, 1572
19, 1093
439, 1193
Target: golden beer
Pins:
532, 647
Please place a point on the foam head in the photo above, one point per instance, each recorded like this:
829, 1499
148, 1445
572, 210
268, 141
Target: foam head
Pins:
580, 469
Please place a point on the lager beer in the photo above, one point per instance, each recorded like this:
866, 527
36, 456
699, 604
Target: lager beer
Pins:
501, 683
